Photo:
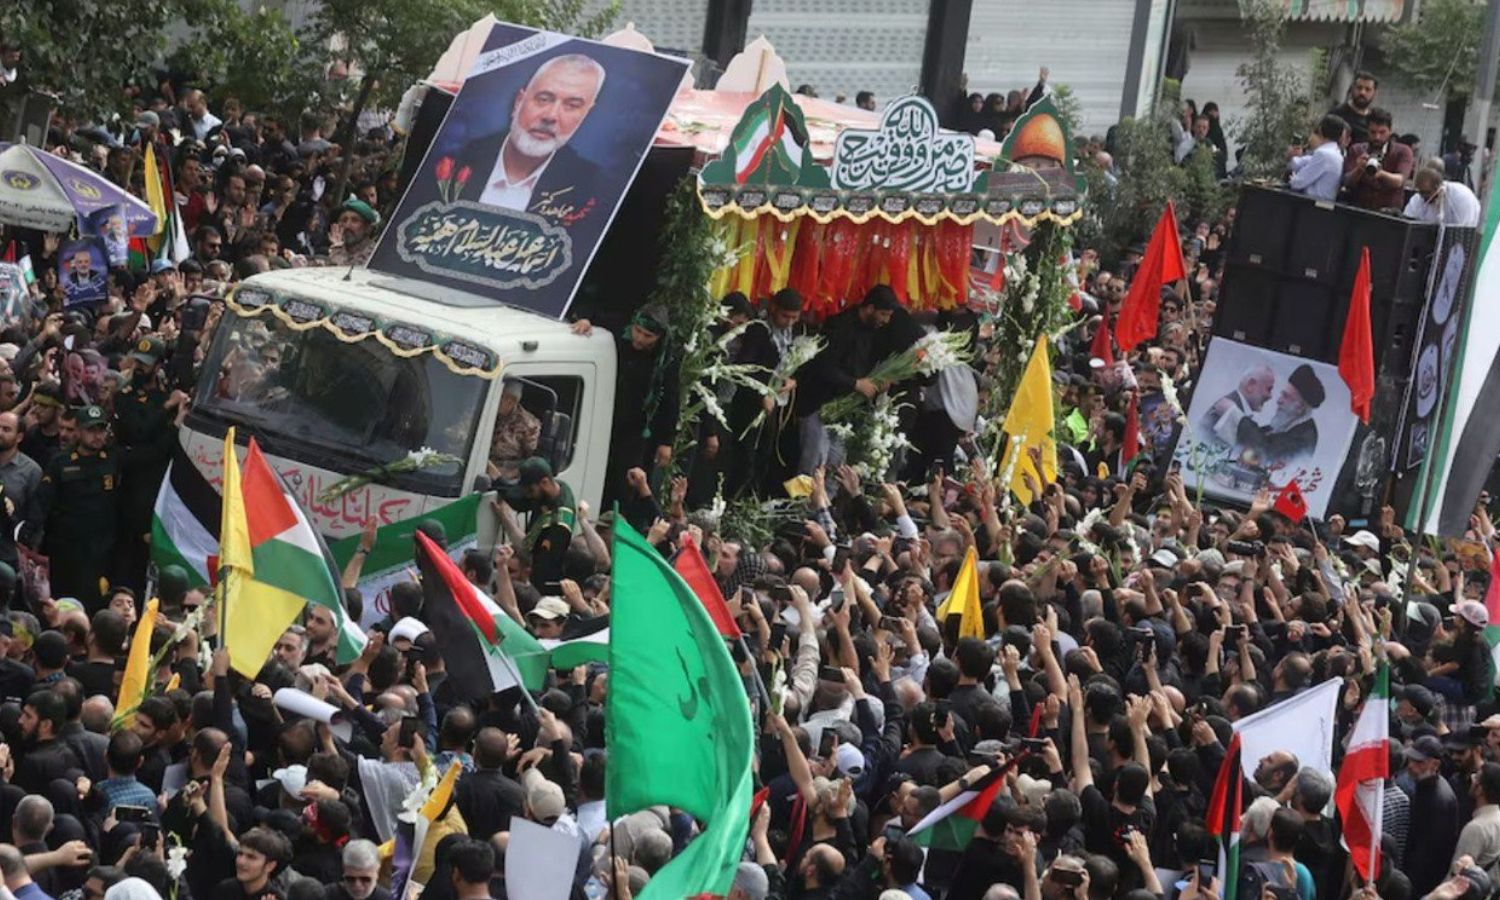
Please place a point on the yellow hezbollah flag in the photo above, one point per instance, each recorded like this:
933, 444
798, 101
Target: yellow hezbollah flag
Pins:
964, 600
1030, 421
254, 614
136, 680
156, 194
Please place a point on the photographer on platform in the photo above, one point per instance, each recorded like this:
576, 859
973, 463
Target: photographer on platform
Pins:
1376, 172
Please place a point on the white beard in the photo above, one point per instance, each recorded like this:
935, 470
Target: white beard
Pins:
1284, 419
533, 148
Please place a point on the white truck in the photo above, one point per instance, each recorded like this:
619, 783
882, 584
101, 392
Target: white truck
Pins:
336, 371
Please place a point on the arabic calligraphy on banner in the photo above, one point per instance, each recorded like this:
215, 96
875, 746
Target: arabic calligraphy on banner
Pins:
480, 245
907, 152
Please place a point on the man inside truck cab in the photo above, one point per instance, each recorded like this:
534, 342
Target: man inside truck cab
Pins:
551, 528
515, 437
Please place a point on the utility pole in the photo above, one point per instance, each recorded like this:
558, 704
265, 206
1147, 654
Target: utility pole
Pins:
1477, 124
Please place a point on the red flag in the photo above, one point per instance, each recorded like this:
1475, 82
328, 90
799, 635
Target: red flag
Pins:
1357, 350
1101, 348
10, 252
1291, 503
1161, 265
1132, 443
694, 570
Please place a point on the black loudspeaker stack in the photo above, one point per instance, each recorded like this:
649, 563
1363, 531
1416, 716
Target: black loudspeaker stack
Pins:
1291, 268
1286, 286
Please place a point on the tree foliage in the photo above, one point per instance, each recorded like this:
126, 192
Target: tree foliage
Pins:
1122, 211
1441, 45
86, 50
1279, 100
396, 42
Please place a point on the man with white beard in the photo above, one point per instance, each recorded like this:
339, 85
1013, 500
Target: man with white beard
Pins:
1291, 433
534, 169
1223, 418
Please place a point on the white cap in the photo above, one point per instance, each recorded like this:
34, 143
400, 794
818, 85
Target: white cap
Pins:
293, 779
409, 629
1365, 539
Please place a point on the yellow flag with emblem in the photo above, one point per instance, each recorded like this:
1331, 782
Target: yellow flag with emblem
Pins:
1030, 422
963, 600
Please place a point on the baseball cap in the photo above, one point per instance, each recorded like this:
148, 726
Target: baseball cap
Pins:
850, 761
92, 416
1425, 749
1165, 558
148, 119
1365, 539
408, 628
148, 350
159, 266
1419, 697
293, 779
533, 470
48, 393
550, 608
546, 801
1472, 612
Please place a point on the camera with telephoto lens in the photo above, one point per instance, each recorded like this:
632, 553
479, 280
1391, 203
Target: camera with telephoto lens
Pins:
1373, 164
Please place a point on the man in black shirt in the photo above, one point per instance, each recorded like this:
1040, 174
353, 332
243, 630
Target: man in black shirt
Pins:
1434, 817
46, 758
1356, 110
487, 797
107, 636
261, 854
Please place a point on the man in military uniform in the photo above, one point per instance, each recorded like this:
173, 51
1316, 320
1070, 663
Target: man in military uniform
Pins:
550, 530
515, 436
78, 497
144, 432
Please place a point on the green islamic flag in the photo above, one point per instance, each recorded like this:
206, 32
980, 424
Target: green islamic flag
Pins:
677, 719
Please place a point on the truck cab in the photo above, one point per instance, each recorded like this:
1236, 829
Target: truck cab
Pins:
337, 371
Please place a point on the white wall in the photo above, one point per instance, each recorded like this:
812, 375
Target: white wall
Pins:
846, 46
1084, 42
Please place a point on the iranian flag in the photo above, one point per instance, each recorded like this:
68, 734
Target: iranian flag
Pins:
952, 825
1224, 819
1360, 795
764, 133
472, 630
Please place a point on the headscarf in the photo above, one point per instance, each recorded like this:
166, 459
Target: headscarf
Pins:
132, 889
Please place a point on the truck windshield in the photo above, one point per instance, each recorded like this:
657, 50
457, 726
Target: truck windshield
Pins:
342, 405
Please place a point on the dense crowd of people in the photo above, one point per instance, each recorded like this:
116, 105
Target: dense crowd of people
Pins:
1125, 625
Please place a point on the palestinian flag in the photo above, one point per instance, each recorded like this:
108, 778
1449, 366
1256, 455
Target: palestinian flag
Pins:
1224, 819
952, 825
185, 522
581, 649
288, 567
1360, 794
471, 629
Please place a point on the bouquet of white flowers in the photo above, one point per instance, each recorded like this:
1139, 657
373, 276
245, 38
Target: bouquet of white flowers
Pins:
425, 458
936, 351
